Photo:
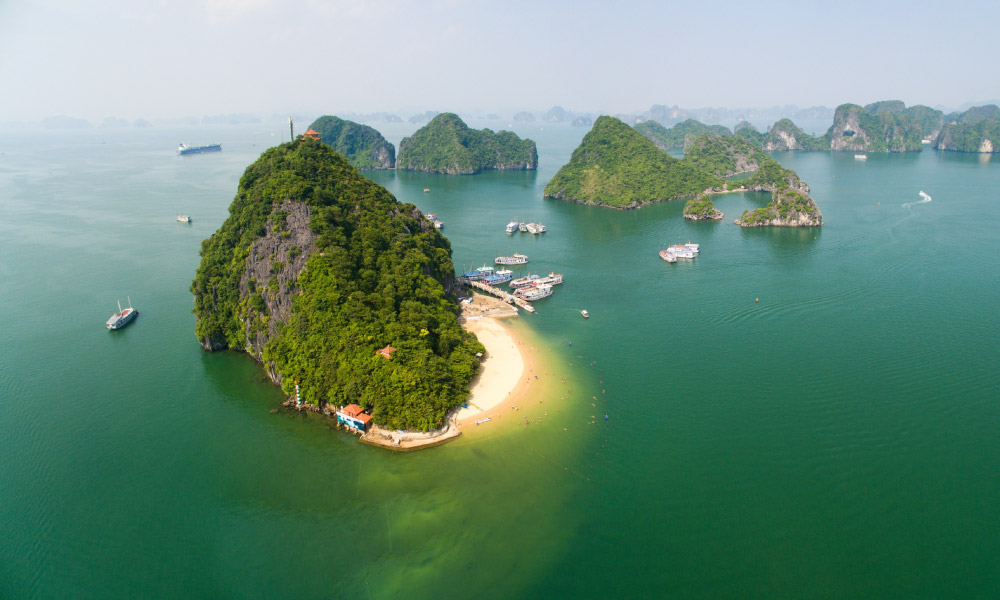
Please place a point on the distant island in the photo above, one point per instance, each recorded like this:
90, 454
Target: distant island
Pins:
448, 145
362, 146
616, 166
330, 282
673, 137
885, 126
790, 205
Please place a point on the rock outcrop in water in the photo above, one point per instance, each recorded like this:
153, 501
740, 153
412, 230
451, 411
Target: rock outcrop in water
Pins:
702, 209
790, 206
317, 268
447, 145
362, 146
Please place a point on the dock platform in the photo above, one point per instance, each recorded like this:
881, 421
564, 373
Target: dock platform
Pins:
509, 298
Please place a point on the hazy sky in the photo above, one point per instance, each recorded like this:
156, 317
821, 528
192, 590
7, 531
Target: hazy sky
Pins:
165, 58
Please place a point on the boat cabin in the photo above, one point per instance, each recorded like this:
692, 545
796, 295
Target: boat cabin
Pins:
353, 416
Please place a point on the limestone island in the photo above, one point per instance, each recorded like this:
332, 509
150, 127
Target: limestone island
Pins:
344, 295
790, 205
884, 126
447, 145
362, 146
702, 209
617, 166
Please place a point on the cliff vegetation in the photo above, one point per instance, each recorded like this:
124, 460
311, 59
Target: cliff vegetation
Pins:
790, 205
448, 145
673, 137
617, 166
701, 209
362, 146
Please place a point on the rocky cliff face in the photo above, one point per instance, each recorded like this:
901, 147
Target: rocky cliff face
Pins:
784, 135
856, 129
272, 268
976, 130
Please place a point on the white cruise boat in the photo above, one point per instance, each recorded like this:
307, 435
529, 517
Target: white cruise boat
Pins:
183, 219
512, 227
522, 227
552, 279
122, 317
860, 157
517, 259
668, 256
682, 251
535, 228
534, 292
524, 281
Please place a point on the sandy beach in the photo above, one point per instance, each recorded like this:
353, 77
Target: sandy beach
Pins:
503, 380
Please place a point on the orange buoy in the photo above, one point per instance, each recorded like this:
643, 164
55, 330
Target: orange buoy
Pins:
756, 299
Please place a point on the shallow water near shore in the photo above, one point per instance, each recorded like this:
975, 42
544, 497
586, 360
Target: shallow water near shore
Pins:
795, 413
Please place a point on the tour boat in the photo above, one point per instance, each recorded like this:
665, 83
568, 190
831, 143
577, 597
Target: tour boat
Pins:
534, 292
183, 219
668, 256
501, 276
860, 157
122, 317
517, 259
437, 224
523, 281
426, 190
480, 273
551, 279
924, 195
184, 149
512, 227
522, 227
535, 228
586, 315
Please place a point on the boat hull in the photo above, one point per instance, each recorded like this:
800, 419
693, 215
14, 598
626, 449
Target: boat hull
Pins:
199, 149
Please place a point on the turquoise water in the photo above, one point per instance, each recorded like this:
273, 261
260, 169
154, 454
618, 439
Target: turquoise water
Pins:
805, 413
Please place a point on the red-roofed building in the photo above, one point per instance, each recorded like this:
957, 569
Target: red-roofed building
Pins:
386, 352
311, 133
354, 417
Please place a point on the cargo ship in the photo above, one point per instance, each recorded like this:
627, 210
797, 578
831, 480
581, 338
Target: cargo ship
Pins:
183, 149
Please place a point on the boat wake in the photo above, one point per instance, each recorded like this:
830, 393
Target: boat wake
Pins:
924, 199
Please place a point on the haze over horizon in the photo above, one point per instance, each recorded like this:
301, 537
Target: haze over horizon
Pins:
177, 58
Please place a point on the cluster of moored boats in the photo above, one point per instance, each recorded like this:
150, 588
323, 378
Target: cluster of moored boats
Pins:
515, 226
531, 287
672, 253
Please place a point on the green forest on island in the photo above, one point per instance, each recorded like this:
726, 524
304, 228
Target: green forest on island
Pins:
376, 280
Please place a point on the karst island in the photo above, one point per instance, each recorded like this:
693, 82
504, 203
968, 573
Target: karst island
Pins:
347, 297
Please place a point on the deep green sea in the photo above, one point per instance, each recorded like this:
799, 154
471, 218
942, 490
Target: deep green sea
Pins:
793, 414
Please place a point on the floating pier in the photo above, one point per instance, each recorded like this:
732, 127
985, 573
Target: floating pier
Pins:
509, 298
